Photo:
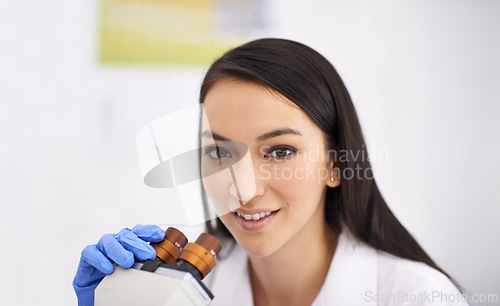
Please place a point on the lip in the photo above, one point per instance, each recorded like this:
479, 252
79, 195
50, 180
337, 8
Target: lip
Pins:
251, 225
253, 211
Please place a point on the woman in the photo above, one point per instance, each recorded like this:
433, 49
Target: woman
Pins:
312, 227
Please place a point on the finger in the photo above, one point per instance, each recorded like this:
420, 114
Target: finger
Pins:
140, 248
110, 246
92, 257
149, 233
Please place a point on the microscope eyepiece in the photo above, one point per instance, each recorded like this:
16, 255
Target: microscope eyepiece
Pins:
197, 258
201, 254
170, 248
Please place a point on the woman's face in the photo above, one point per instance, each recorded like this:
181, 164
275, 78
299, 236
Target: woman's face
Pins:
277, 191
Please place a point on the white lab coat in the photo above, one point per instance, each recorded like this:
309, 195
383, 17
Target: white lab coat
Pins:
358, 275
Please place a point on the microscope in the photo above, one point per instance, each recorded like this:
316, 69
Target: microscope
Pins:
173, 278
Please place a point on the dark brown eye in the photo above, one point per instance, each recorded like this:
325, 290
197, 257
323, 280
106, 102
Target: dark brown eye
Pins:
280, 152
217, 153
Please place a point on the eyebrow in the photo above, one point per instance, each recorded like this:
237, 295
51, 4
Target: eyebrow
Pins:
269, 135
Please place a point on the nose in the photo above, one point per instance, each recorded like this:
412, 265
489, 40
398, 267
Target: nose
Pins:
245, 185
242, 194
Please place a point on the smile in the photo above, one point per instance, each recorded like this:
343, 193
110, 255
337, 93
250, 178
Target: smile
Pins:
255, 217
254, 220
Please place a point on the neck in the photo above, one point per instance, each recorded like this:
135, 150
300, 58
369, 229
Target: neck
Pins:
295, 273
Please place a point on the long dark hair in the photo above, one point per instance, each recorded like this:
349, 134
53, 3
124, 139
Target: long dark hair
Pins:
309, 80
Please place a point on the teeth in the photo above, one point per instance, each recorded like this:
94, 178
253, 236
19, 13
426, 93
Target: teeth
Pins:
254, 217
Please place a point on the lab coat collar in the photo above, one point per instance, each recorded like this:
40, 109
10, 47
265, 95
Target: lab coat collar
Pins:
230, 280
352, 272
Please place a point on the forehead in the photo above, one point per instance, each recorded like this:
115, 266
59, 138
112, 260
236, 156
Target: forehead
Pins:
240, 109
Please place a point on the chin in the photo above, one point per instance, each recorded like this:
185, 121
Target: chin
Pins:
255, 244
257, 247
258, 244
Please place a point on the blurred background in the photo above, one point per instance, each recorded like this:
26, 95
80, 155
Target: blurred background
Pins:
80, 78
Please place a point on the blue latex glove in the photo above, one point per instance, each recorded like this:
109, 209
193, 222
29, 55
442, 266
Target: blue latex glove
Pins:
123, 249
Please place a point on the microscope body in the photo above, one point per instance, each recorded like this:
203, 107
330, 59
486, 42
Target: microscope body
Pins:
167, 286
173, 278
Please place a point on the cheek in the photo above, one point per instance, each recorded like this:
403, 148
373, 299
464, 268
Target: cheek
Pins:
213, 190
297, 180
217, 189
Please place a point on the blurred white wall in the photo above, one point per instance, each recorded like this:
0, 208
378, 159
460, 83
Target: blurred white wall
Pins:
424, 77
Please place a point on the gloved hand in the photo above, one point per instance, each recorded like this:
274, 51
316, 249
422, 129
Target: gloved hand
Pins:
123, 248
